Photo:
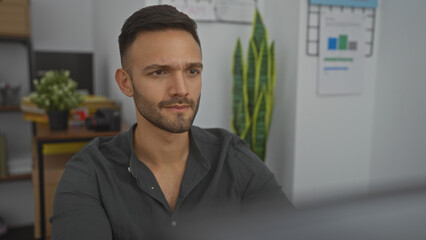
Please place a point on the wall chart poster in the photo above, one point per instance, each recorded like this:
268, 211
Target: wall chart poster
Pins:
233, 11
341, 53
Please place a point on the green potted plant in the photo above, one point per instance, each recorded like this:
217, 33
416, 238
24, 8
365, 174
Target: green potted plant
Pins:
253, 88
57, 93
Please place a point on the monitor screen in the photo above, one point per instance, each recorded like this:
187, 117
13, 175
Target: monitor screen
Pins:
79, 64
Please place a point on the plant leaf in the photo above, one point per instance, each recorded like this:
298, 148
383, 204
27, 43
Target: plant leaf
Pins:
272, 79
259, 126
241, 118
272, 68
259, 32
251, 76
56, 91
262, 69
237, 88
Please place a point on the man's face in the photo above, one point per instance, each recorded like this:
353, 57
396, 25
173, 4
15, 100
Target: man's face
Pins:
166, 78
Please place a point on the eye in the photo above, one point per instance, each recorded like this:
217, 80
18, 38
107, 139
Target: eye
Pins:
158, 72
193, 71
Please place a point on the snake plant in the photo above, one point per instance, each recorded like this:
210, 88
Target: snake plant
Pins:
253, 88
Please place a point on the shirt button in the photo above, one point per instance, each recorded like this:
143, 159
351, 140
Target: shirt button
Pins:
174, 223
128, 169
152, 188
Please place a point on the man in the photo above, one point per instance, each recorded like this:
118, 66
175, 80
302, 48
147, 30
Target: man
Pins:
163, 172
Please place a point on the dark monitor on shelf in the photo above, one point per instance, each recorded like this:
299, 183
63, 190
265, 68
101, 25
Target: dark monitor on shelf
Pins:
80, 65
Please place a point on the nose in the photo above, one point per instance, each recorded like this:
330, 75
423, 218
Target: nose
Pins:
178, 85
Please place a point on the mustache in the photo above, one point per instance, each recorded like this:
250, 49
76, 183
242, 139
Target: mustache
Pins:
177, 100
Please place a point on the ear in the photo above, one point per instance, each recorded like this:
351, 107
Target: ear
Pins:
124, 82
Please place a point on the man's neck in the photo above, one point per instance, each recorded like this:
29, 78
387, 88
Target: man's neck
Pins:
165, 154
159, 148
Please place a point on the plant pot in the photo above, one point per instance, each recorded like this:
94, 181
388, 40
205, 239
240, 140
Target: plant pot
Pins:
58, 120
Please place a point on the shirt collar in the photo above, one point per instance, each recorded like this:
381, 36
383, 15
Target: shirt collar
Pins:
197, 165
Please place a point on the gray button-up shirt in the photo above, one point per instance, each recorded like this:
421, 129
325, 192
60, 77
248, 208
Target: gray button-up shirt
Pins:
107, 193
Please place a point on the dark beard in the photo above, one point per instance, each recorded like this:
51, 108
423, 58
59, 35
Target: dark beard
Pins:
152, 113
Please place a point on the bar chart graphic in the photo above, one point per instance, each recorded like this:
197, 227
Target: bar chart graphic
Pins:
341, 54
341, 43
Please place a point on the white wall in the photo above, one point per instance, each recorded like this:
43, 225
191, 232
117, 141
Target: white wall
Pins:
351, 145
333, 133
399, 136
284, 31
218, 42
62, 25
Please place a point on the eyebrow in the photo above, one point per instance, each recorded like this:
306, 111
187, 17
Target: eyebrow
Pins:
195, 65
159, 66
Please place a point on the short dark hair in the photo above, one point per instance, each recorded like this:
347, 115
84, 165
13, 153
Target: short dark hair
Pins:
154, 18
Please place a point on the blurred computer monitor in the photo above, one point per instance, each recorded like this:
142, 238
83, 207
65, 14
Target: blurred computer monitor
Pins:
80, 65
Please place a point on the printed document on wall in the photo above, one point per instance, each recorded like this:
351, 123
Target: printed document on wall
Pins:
341, 55
233, 11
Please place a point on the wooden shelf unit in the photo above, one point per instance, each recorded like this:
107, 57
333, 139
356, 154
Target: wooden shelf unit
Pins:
25, 40
16, 177
10, 108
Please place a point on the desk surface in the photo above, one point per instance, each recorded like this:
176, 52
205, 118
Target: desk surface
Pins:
43, 133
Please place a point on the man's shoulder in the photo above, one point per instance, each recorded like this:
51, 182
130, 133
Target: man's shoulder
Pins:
227, 150
213, 140
213, 135
106, 148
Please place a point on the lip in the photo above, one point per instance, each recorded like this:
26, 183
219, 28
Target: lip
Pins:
178, 108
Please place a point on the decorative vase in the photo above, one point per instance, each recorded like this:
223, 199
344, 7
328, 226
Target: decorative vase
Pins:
58, 119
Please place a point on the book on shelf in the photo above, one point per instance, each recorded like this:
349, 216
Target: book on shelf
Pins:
91, 103
3, 156
20, 164
36, 117
27, 106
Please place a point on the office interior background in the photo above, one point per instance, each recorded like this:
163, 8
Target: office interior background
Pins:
321, 148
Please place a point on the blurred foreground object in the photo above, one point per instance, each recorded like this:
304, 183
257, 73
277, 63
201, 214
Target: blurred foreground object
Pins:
3, 227
392, 215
